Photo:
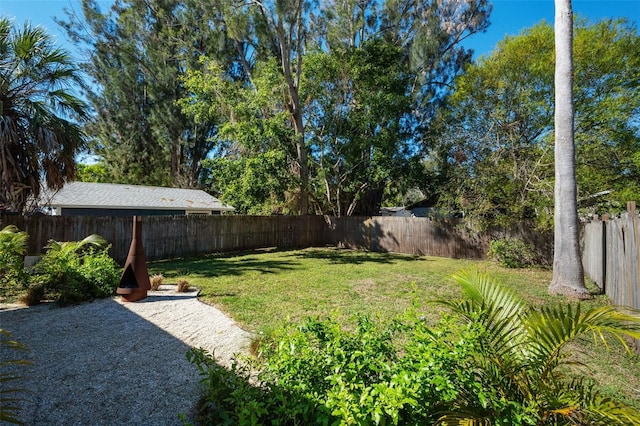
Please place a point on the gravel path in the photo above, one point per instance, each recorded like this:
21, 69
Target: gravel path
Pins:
114, 363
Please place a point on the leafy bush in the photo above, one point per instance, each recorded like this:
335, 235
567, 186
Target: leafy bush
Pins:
491, 360
522, 358
13, 247
511, 252
78, 271
101, 271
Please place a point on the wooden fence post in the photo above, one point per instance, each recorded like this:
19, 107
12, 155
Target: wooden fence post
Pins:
633, 259
605, 218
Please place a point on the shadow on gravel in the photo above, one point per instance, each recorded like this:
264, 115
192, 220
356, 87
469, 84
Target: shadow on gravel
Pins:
99, 363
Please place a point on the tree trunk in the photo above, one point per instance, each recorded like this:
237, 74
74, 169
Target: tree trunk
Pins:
568, 274
301, 168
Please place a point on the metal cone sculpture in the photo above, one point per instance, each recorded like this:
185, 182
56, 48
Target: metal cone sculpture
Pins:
134, 282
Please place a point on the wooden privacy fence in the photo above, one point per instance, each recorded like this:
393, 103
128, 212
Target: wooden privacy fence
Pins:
166, 237
611, 256
411, 235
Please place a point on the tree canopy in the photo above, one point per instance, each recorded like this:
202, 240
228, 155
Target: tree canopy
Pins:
39, 114
342, 87
136, 52
338, 107
494, 148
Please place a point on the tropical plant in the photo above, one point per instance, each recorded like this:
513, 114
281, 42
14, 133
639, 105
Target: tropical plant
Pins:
39, 140
13, 246
75, 271
9, 408
524, 358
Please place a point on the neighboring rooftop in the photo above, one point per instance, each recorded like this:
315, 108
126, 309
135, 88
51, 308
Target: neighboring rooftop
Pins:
111, 196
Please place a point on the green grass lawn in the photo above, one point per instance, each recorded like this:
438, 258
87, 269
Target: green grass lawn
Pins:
264, 289
261, 290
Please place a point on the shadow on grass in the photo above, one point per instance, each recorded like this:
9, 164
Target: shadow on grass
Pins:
356, 257
269, 261
227, 264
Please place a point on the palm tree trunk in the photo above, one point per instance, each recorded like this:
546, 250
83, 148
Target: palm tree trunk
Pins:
568, 274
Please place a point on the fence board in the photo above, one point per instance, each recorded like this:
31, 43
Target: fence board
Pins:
593, 261
632, 259
611, 256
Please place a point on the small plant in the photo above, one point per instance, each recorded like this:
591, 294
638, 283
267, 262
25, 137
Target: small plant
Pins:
511, 252
183, 286
156, 282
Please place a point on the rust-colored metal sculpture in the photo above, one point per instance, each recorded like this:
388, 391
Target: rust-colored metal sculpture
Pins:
134, 282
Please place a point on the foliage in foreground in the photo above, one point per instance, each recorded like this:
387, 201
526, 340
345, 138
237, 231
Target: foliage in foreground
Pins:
490, 360
9, 411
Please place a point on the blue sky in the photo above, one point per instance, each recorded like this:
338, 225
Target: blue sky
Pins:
509, 17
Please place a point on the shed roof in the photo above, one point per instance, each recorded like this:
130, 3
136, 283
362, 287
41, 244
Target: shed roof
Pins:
119, 196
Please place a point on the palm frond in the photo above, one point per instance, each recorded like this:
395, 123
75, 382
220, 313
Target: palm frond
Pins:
94, 240
578, 400
550, 328
460, 419
9, 411
494, 306
67, 247
521, 349
13, 241
38, 112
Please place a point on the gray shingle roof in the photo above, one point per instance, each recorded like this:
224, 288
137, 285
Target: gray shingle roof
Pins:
111, 195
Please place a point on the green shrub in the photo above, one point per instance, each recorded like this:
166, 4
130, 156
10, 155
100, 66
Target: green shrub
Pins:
13, 247
77, 271
101, 271
491, 360
511, 252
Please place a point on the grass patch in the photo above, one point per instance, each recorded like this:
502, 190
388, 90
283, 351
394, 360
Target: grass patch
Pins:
261, 290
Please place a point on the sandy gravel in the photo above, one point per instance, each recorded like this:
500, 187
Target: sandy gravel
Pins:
110, 362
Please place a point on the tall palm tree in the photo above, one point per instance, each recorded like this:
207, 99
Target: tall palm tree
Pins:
568, 274
38, 137
524, 356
